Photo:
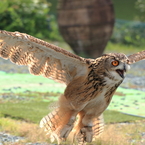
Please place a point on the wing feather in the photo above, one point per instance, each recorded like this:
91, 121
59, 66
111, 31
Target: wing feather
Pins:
136, 57
42, 58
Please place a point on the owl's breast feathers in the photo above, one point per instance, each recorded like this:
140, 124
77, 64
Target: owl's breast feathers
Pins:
95, 85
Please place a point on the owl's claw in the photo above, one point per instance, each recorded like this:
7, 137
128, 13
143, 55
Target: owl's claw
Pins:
67, 128
65, 131
85, 134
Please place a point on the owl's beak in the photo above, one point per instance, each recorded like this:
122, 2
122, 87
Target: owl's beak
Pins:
123, 71
120, 72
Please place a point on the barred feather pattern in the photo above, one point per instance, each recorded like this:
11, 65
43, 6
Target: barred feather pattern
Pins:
50, 123
36, 60
41, 57
136, 57
98, 126
54, 122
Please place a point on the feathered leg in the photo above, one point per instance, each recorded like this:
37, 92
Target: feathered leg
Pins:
59, 122
87, 128
86, 132
82, 131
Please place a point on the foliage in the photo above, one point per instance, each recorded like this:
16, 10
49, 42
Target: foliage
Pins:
129, 32
28, 16
53, 29
140, 6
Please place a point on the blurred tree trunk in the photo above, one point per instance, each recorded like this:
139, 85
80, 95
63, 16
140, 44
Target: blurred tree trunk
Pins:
86, 25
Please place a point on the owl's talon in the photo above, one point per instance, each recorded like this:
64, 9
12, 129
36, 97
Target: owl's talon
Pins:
87, 133
65, 131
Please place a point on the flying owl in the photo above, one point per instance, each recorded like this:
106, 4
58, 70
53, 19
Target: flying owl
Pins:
90, 83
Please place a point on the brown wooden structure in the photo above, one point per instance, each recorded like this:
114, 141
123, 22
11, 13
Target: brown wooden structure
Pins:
86, 25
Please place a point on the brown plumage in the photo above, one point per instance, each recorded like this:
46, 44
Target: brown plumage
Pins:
90, 83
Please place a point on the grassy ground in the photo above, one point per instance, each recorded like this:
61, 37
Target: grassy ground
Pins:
32, 110
114, 134
22, 116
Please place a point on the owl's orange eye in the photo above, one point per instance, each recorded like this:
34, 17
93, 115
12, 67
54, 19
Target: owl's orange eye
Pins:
115, 63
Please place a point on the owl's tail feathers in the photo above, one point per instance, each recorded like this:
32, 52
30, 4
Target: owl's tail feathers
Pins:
54, 123
50, 123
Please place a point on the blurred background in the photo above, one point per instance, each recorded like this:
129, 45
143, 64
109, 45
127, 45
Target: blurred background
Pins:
39, 18
112, 26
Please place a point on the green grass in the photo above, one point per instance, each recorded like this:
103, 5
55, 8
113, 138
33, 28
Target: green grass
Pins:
28, 83
34, 111
117, 117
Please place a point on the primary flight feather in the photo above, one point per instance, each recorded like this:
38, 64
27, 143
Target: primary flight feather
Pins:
90, 83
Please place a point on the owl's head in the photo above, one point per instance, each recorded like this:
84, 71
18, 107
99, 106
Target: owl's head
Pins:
116, 64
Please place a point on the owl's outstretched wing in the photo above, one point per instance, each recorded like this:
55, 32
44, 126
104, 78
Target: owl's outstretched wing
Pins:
136, 57
41, 57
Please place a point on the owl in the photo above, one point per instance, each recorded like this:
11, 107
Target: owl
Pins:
90, 83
